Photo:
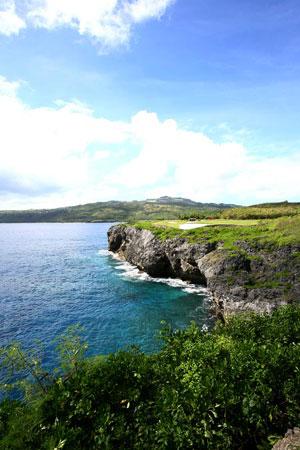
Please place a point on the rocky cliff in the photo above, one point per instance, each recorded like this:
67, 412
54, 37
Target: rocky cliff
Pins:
254, 277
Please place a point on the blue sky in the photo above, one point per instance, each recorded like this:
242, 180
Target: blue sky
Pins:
129, 99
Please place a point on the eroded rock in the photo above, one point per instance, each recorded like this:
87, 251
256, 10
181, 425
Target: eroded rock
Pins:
252, 278
291, 441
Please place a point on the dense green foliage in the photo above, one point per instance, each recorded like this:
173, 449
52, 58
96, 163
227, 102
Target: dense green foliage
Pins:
163, 208
264, 211
200, 215
235, 387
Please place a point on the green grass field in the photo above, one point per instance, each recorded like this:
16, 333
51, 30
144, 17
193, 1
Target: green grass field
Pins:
209, 222
271, 232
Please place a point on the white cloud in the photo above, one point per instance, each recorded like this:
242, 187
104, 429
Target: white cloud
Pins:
10, 22
108, 22
174, 161
141, 10
45, 150
8, 88
64, 154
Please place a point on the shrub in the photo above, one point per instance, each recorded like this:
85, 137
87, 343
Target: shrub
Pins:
230, 388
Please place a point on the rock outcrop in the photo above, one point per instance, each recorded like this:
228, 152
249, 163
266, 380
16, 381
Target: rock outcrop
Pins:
291, 441
254, 277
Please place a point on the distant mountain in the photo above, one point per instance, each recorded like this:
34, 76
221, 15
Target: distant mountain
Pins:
187, 202
115, 211
172, 201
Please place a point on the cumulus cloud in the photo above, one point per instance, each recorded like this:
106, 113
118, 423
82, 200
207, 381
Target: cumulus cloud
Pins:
49, 147
65, 154
140, 10
10, 22
108, 22
175, 161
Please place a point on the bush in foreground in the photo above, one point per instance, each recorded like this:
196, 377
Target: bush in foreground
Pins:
236, 387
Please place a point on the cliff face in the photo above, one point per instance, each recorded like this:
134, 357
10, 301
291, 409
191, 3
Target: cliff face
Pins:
252, 278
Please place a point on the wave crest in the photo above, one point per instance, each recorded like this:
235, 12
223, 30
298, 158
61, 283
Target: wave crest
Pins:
130, 271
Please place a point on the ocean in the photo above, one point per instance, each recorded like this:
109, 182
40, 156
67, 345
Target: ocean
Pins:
56, 275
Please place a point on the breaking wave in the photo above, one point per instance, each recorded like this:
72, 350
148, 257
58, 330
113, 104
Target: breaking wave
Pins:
104, 252
129, 271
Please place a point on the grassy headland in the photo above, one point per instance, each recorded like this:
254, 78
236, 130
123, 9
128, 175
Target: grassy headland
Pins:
256, 253
273, 226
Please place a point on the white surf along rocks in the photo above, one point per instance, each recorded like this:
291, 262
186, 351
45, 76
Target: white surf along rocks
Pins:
236, 281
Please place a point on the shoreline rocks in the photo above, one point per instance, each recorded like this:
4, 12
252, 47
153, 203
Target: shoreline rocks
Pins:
254, 278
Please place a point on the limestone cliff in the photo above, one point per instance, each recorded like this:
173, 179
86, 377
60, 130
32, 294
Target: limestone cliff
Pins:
253, 278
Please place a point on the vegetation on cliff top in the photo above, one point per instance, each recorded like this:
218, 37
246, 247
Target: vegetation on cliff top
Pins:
263, 211
232, 228
236, 387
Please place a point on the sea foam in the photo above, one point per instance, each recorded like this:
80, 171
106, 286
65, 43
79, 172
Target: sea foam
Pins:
131, 272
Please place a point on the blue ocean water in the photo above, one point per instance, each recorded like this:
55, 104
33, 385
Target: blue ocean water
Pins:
56, 275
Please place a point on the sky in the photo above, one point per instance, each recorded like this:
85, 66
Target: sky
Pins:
133, 99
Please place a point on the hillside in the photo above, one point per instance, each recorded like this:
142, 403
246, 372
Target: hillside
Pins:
114, 211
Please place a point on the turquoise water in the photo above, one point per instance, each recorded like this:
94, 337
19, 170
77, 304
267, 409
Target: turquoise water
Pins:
55, 275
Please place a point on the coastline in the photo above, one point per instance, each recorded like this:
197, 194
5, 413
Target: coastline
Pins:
236, 281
